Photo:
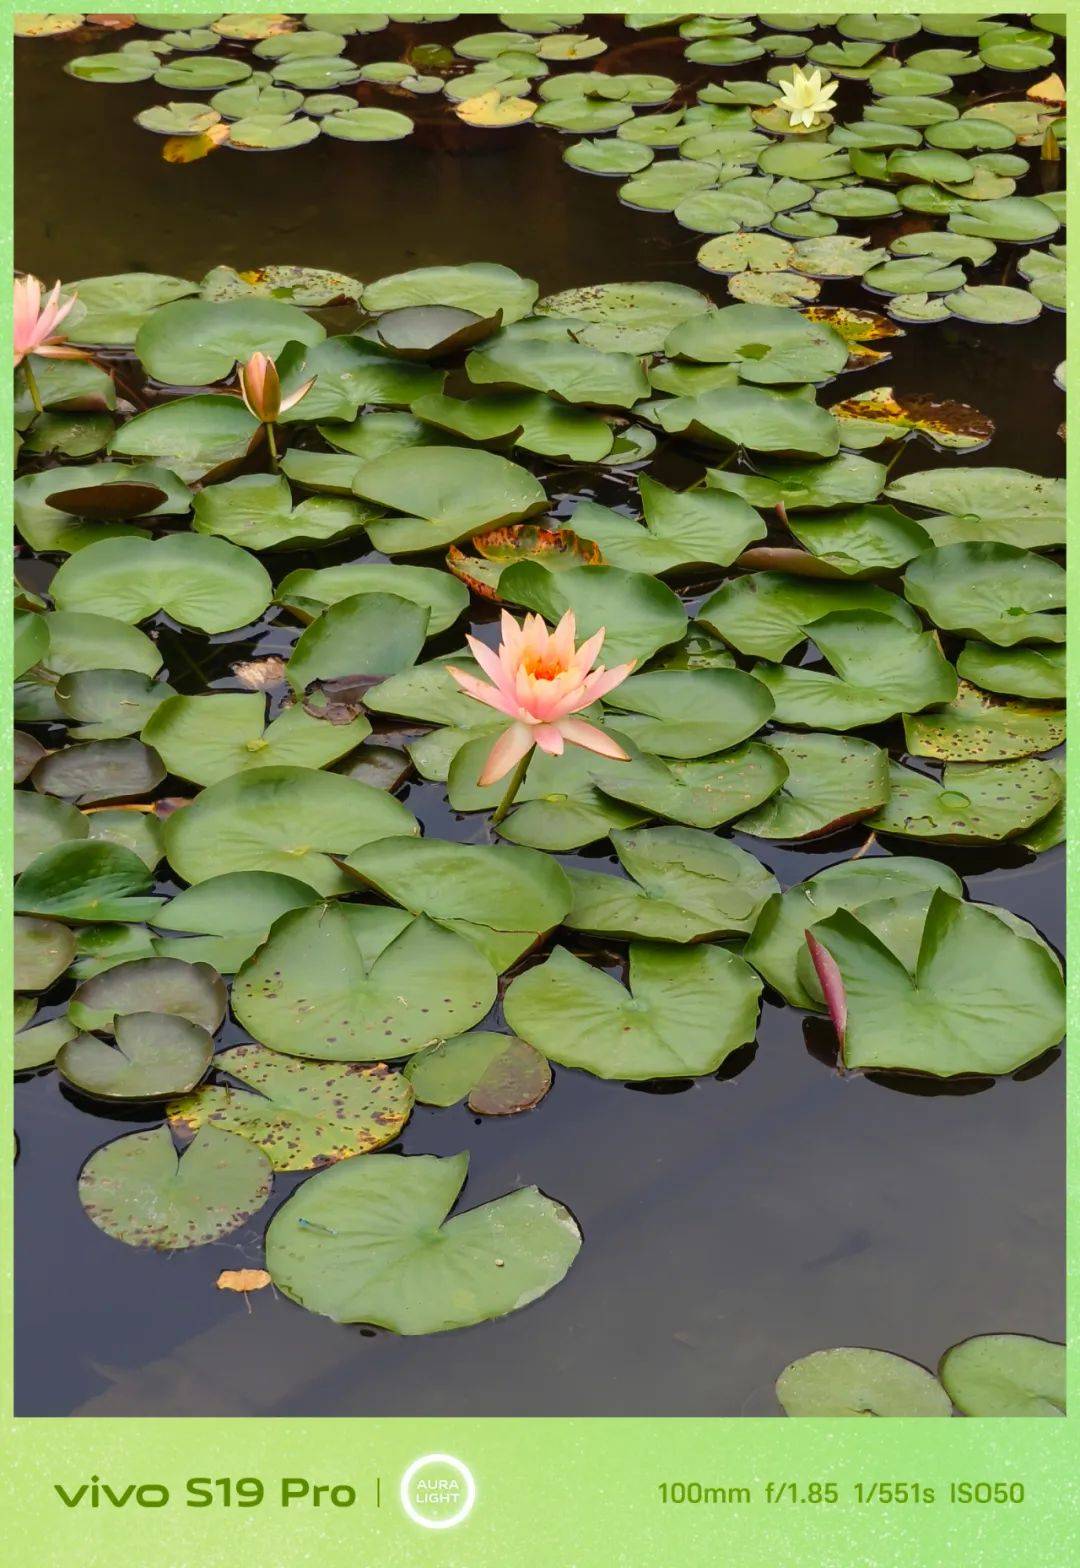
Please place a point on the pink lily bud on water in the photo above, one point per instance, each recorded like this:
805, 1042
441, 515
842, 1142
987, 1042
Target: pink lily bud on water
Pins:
260, 388
540, 680
34, 324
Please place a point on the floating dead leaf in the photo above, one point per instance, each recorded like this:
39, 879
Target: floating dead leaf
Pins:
45, 24
340, 700
259, 674
501, 547
1050, 90
242, 1280
884, 415
109, 502
491, 111
113, 20
857, 328
189, 149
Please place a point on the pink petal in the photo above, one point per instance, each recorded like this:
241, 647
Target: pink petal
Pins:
586, 655
494, 666
832, 984
549, 738
481, 692
579, 733
602, 681
507, 752
562, 638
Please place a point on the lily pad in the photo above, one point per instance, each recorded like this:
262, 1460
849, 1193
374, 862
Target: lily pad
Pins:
769, 345
42, 950
302, 1115
308, 591
636, 317
687, 886
42, 822
140, 1191
1014, 220
857, 1382
687, 1009
482, 287
971, 803
228, 916
831, 782
679, 529
156, 1054
87, 882
982, 999
555, 362
99, 770
366, 634
993, 591
703, 793
997, 505
360, 124
881, 414
308, 991
860, 541
166, 986
691, 713
284, 819
530, 420
47, 503
196, 342
767, 614
883, 668
503, 899
759, 420
447, 492
978, 726
212, 737
191, 435
1037, 672
498, 1074
202, 582
256, 511
1005, 1375
368, 1241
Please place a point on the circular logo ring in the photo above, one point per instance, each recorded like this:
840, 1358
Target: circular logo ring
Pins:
442, 1521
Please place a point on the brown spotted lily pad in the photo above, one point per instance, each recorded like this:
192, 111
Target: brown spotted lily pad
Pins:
858, 328
979, 726
497, 1073
501, 547
880, 414
301, 1114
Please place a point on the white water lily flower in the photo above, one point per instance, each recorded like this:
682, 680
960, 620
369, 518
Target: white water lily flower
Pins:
806, 98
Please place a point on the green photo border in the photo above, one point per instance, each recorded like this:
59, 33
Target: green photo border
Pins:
550, 1493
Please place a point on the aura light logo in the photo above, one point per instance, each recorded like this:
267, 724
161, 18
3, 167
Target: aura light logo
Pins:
438, 1491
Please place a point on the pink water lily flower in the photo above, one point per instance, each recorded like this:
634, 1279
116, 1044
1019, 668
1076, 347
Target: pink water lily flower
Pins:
34, 326
540, 680
260, 388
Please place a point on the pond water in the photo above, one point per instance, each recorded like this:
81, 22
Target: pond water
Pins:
731, 1223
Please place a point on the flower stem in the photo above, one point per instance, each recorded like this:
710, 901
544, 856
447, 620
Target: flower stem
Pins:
31, 385
517, 778
272, 443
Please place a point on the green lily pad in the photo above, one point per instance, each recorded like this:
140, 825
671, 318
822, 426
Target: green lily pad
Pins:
308, 287
1014, 220
982, 998
108, 704
530, 420
202, 73
767, 614
917, 275
831, 782
635, 317
42, 822
607, 155
691, 713
1005, 1375
971, 803
698, 527
776, 423
256, 511
482, 287
284, 819
45, 502
227, 917
778, 941
86, 881
769, 345
308, 591
150, 985
140, 1191
42, 950
883, 668
861, 541
447, 493
978, 726
686, 1011
194, 342
214, 736
845, 480
856, 1382
309, 992
156, 1054
202, 582
498, 1074
178, 119
81, 641
116, 66
662, 186
368, 1241
191, 435
1037, 672
992, 304
302, 1115
361, 124
99, 770
366, 634
36, 1045
703, 793
682, 885
639, 614
993, 591
996, 505
503, 899
545, 354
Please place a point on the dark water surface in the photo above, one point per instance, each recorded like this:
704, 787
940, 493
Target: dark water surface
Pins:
731, 1224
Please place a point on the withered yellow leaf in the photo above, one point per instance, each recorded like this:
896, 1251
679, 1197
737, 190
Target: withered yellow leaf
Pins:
243, 1280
